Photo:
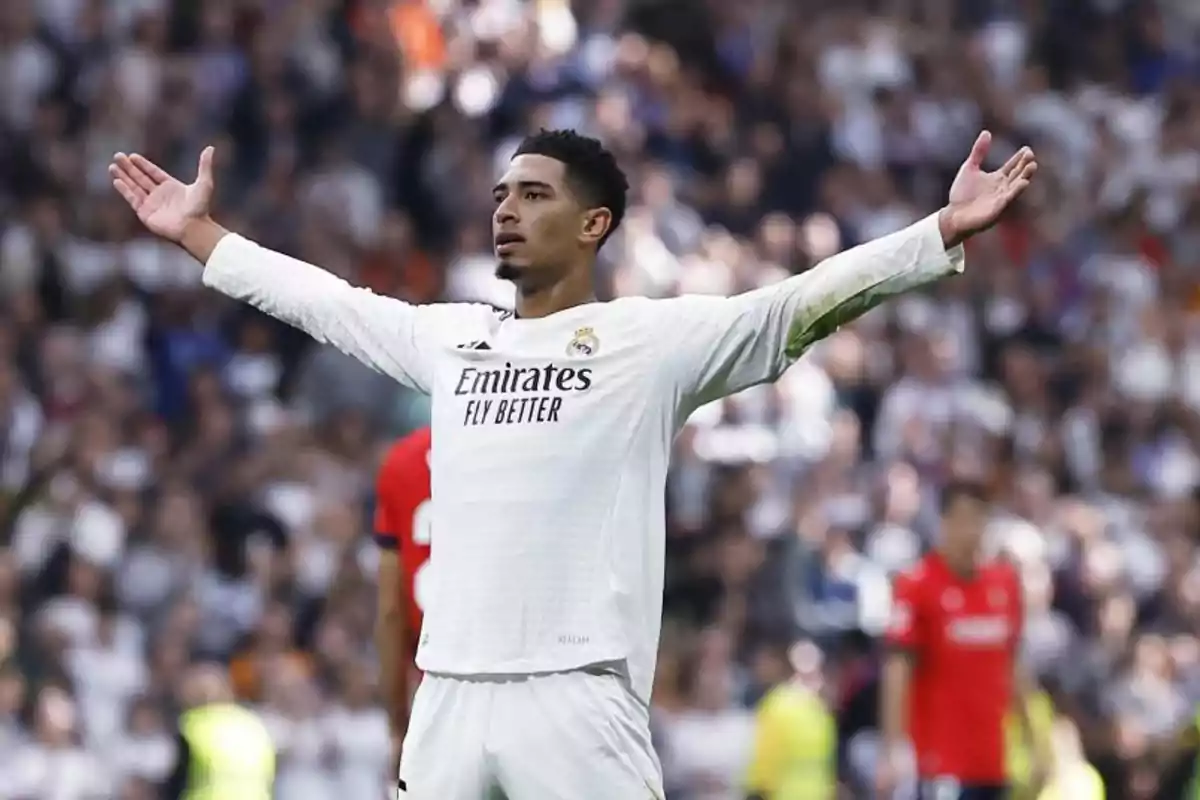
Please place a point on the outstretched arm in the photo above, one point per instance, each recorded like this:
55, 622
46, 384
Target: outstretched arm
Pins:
737, 342
724, 345
386, 334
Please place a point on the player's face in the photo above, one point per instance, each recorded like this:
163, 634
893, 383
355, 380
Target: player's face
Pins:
963, 524
539, 227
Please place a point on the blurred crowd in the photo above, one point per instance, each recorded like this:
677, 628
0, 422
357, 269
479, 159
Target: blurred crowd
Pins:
185, 481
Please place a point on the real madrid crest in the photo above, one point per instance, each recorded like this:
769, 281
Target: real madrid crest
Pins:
583, 343
952, 600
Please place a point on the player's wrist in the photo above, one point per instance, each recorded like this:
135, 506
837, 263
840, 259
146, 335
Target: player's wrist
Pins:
951, 231
200, 236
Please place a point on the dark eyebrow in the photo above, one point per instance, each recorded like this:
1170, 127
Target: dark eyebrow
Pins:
501, 187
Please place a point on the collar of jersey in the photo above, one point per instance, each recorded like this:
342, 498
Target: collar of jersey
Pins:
944, 565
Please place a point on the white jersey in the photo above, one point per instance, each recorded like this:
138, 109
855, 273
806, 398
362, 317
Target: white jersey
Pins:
552, 435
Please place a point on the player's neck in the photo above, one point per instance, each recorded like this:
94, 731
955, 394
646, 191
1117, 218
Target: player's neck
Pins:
963, 564
574, 289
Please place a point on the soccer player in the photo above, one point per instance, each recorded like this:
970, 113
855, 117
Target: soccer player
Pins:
402, 528
552, 428
953, 669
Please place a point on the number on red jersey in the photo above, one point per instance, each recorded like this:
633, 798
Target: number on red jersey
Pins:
403, 514
422, 528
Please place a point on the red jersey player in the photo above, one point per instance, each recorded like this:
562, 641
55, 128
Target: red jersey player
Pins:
952, 669
402, 532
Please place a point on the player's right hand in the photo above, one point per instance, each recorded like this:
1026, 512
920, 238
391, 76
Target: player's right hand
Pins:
164, 204
887, 778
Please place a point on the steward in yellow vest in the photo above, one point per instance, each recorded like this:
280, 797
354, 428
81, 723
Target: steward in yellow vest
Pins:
1072, 777
225, 751
1017, 751
795, 739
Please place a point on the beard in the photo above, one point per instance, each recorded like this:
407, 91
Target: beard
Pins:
507, 272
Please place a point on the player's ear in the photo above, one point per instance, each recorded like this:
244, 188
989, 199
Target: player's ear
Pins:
596, 223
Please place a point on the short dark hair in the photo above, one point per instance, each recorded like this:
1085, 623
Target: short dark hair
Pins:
960, 489
592, 169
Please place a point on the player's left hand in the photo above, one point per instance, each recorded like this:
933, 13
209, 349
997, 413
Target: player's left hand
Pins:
397, 744
978, 198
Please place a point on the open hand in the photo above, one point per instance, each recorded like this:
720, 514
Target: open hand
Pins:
164, 204
978, 198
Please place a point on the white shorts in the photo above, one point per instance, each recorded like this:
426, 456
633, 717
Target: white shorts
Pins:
581, 735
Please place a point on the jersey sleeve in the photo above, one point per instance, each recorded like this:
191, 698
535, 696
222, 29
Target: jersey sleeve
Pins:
721, 346
386, 334
384, 531
388, 527
907, 626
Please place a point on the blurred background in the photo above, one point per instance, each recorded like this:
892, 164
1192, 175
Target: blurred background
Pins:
182, 479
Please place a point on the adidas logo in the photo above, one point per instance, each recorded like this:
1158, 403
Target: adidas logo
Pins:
478, 344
